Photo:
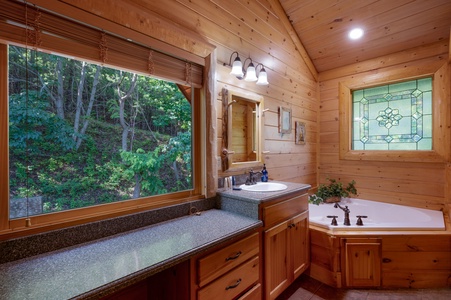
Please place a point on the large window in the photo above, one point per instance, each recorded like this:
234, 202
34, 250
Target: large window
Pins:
94, 123
393, 117
81, 134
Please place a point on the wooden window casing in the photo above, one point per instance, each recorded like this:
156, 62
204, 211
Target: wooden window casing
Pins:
440, 152
67, 37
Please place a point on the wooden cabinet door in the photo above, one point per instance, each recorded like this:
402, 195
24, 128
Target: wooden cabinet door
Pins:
299, 247
276, 260
362, 262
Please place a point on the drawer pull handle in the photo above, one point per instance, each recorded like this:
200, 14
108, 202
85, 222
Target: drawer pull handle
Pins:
234, 285
233, 257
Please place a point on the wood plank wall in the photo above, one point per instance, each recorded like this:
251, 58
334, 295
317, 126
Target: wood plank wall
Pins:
258, 29
415, 184
253, 28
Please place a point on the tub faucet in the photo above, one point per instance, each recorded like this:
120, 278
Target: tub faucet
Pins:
346, 210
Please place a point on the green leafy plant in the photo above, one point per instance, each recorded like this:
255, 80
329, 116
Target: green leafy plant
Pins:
333, 189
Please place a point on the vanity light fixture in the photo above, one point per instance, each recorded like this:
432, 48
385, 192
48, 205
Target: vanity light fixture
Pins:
250, 71
262, 75
248, 74
237, 67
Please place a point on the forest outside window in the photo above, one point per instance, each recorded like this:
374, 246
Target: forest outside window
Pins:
82, 134
94, 125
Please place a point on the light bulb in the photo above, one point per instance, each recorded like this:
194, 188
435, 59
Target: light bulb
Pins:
250, 73
237, 68
262, 77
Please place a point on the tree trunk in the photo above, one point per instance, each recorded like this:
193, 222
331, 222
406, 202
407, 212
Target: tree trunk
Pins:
59, 101
137, 189
122, 98
81, 84
90, 105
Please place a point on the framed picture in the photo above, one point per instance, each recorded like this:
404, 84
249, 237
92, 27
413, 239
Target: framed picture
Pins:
300, 133
284, 120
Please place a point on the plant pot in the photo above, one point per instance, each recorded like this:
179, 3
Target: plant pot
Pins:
332, 199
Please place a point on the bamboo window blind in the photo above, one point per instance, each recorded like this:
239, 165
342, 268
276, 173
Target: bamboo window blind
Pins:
53, 33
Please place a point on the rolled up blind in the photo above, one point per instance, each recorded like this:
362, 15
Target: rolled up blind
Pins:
28, 25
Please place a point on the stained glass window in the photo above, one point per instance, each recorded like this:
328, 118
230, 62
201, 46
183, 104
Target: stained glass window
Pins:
393, 117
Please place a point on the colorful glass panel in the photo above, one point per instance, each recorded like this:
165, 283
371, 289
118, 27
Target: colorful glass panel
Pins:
393, 117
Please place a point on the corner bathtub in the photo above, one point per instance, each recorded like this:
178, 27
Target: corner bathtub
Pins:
380, 216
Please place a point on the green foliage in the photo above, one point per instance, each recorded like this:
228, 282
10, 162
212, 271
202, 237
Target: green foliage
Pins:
44, 160
32, 126
333, 189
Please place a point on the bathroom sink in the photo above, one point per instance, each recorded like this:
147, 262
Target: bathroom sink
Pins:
264, 187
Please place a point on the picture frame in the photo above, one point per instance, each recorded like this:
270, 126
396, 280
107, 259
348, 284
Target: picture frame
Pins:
284, 120
299, 133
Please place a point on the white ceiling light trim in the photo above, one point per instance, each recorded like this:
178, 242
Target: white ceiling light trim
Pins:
355, 33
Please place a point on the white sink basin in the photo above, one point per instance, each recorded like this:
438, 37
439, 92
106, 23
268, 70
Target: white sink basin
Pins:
264, 187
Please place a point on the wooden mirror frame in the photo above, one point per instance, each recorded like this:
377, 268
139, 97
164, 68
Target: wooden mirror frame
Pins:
228, 99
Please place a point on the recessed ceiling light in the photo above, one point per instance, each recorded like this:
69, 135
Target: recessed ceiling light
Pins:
355, 33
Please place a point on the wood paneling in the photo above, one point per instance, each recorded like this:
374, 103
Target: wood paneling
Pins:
390, 26
419, 183
405, 259
197, 28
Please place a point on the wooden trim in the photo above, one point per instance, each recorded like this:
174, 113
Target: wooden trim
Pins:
441, 131
70, 38
196, 48
52, 221
210, 138
4, 150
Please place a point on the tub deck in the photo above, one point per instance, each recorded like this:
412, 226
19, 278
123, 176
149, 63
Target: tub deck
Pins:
379, 217
375, 257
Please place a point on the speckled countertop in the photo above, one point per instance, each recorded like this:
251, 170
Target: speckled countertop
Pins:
97, 268
247, 203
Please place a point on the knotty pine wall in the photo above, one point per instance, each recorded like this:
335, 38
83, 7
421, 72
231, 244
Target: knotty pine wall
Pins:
252, 28
259, 29
410, 183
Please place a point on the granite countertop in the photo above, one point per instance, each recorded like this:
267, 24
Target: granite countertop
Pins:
98, 268
259, 197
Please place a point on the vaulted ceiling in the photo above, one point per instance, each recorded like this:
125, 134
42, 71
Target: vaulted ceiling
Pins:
389, 25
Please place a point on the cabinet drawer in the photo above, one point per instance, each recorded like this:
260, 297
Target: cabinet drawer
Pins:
233, 283
253, 294
214, 265
284, 210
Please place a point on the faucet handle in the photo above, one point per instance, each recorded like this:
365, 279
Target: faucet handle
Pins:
334, 220
359, 220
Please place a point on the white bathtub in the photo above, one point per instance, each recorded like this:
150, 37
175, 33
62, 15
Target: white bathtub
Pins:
380, 216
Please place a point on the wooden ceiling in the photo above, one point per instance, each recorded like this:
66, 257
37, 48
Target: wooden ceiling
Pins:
390, 26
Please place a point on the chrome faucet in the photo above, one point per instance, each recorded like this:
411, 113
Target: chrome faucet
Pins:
251, 180
346, 210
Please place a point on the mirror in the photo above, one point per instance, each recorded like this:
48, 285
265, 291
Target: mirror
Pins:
242, 127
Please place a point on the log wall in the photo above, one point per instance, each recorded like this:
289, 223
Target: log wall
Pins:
261, 30
255, 29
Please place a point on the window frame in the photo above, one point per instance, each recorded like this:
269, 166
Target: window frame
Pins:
440, 96
45, 222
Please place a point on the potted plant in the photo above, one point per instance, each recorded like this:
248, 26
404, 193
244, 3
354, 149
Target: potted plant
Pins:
332, 192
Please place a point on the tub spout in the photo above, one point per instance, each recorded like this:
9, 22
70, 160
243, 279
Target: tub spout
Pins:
346, 210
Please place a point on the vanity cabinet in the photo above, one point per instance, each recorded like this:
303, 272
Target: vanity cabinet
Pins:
286, 248
229, 272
